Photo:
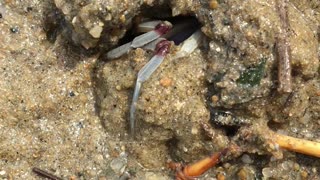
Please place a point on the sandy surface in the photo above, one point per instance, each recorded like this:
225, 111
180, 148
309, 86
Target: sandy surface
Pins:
64, 107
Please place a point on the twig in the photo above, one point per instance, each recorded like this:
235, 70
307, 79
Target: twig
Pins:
198, 168
45, 174
297, 145
283, 49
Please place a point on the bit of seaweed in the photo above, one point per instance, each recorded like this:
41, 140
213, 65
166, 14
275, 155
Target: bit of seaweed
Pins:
253, 75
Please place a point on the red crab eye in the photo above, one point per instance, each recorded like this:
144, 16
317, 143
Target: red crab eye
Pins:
162, 28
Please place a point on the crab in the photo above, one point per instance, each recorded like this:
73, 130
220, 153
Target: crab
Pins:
158, 36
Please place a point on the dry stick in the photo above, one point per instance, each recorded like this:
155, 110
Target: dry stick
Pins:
297, 145
45, 174
198, 168
284, 50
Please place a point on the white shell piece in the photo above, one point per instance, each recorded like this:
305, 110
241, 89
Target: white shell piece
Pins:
144, 39
190, 44
119, 51
148, 26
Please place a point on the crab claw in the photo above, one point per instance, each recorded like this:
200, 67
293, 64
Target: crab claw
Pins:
190, 44
159, 30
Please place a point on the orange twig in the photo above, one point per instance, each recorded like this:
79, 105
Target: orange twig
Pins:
297, 145
198, 168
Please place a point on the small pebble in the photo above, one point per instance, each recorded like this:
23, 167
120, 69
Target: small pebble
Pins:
118, 165
2, 173
267, 172
14, 29
151, 176
304, 174
194, 130
242, 174
226, 165
96, 31
213, 4
246, 159
71, 94
122, 18
72, 177
296, 166
214, 99
221, 176
118, 87
165, 82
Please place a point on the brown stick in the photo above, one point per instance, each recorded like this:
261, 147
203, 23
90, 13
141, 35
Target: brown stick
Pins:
194, 170
297, 145
284, 50
45, 174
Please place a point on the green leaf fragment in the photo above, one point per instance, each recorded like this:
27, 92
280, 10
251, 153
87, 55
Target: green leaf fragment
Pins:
252, 76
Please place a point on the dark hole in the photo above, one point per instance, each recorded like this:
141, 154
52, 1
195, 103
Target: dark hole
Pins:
230, 130
172, 149
53, 24
275, 125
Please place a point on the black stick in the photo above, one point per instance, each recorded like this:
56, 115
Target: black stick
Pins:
45, 174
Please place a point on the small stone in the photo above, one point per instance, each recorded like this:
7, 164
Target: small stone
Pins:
214, 99
246, 159
96, 31
14, 29
194, 130
213, 4
221, 176
2, 173
122, 18
296, 166
71, 94
118, 87
226, 165
118, 165
304, 174
154, 176
165, 82
267, 172
102, 178
108, 17
72, 177
242, 174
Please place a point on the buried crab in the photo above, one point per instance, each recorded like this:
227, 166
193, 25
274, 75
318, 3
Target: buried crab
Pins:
158, 40
159, 37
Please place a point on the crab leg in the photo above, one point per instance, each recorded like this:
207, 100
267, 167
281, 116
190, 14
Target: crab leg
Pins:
160, 29
162, 49
119, 51
148, 26
189, 45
